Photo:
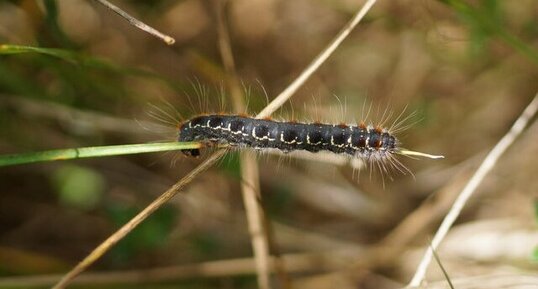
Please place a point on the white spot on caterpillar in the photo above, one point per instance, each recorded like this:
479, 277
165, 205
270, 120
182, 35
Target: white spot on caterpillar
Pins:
311, 143
265, 137
240, 131
332, 143
286, 142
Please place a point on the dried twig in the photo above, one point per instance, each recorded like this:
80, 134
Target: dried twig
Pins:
137, 23
445, 273
486, 166
250, 186
125, 229
225, 49
316, 63
296, 262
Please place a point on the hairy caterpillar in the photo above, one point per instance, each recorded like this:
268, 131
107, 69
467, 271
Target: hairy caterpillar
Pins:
362, 141
373, 144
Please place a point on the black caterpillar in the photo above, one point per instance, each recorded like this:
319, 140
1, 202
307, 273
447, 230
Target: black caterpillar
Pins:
358, 141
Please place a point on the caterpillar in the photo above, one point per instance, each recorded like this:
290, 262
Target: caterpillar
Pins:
365, 142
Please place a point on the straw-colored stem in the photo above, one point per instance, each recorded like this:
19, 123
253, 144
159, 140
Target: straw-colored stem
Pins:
486, 166
250, 186
316, 63
135, 221
137, 23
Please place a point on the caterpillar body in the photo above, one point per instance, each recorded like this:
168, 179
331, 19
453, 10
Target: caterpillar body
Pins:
366, 142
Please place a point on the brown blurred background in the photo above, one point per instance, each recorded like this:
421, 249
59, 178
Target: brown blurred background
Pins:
467, 68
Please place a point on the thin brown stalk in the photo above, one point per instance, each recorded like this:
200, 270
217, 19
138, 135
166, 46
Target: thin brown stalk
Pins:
226, 54
297, 262
135, 221
445, 273
250, 186
316, 63
137, 23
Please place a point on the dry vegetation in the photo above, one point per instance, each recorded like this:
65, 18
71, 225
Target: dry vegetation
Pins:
467, 78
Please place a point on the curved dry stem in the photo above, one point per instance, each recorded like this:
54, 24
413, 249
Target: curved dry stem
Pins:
486, 166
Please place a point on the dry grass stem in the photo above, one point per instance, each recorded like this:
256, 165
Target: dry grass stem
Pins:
135, 221
137, 23
316, 63
445, 273
505, 281
486, 166
300, 262
226, 54
250, 187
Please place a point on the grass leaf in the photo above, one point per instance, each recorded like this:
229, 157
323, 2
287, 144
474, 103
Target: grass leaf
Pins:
88, 152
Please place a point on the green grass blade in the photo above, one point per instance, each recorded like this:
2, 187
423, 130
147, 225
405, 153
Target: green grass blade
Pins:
18, 49
89, 152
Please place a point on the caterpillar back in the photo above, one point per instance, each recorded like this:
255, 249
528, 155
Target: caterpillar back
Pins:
375, 145
245, 132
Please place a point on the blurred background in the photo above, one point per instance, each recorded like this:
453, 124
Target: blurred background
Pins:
466, 68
